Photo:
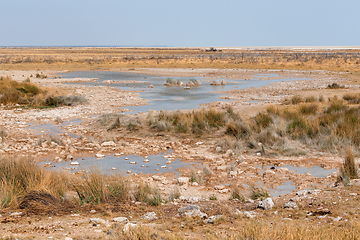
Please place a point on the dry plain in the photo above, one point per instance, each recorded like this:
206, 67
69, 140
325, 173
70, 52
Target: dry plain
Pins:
244, 147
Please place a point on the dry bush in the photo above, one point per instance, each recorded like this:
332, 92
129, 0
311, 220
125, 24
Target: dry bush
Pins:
145, 193
348, 169
20, 176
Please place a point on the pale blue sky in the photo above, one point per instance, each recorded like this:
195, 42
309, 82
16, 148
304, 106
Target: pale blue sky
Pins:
185, 23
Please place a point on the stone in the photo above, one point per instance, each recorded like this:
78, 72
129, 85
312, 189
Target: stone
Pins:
266, 204
150, 216
219, 187
16, 214
93, 211
282, 169
232, 173
212, 219
224, 190
269, 173
120, 220
192, 211
74, 163
183, 180
221, 168
291, 205
99, 155
194, 199
97, 221
108, 144
129, 226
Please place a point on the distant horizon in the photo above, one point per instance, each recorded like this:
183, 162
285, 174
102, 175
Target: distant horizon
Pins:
187, 23
175, 47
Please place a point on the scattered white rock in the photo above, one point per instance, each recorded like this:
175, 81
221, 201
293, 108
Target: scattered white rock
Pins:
16, 214
132, 162
194, 199
192, 211
99, 155
93, 211
97, 221
266, 204
212, 219
129, 226
113, 168
120, 220
150, 216
74, 163
146, 161
163, 166
291, 205
183, 180
108, 144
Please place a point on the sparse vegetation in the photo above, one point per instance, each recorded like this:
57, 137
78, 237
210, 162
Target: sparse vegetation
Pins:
30, 94
335, 86
258, 192
348, 170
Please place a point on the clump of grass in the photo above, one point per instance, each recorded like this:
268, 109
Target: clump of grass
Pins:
310, 99
91, 187
17, 92
237, 129
174, 194
148, 195
263, 120
194, 177
42, 76
213, 197
352, 98
64, 101
236, 193
258, 192
20, 176
335, 86
296, 100
3, 134
308, 109
206, 171
348, 169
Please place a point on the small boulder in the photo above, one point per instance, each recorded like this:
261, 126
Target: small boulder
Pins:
266, 204
291, 205
120, 220
150, 216
97, 221
108, 144
183, 180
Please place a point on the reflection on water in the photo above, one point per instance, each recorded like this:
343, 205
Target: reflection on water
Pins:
155, 164
161, 97
53, 129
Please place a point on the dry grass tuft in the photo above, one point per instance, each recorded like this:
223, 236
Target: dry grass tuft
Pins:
348, 170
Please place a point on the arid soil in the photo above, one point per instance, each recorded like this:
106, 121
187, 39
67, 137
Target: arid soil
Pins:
317, 200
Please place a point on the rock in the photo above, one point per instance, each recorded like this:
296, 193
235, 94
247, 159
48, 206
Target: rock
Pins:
266, 204
120, 220
219, 187
194, 199
97, 221
218, 149
183, 180
69, 157
195, 184
129, 226
99, 155
108, 144
128, 172
282, 169
269, 173
93, 211
146, 161
16, 214
68, 238
224, 190
291, 205
74, 163
301, 193
150, 86
192, 211
150, 216
113, 168
132, 162
212, 219
232, 173
337, 219
221, 168
248, 214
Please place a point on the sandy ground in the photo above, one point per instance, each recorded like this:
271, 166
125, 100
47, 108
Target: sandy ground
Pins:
105, 99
